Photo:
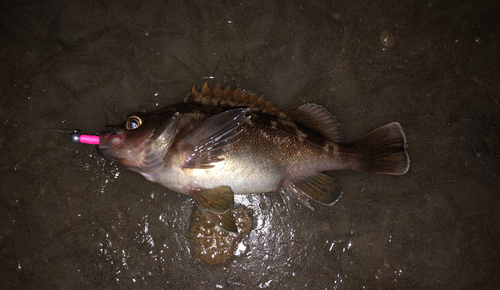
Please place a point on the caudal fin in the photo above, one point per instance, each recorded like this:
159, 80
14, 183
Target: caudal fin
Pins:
383, 150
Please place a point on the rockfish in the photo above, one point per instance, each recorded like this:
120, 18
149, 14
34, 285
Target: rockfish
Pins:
219, 143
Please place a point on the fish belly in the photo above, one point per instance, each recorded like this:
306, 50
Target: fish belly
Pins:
241, 175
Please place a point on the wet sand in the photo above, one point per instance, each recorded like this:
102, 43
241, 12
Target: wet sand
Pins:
69, 219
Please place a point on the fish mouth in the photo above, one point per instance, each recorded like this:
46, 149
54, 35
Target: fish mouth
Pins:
111, 145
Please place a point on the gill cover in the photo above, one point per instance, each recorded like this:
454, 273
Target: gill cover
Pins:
159, 142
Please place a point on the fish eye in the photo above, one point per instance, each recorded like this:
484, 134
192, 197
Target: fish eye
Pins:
133, 122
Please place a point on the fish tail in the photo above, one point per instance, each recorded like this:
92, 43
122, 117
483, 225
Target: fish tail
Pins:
383, 150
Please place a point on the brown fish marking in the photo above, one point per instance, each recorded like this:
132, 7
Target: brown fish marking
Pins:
223, 142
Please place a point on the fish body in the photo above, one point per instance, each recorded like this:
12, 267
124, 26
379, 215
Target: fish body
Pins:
222, 142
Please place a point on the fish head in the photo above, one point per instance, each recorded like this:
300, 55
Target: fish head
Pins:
142, 143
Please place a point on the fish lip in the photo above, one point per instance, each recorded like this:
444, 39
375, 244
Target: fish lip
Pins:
111, 144
113, 139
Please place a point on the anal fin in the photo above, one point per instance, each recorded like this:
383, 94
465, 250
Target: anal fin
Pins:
319, 187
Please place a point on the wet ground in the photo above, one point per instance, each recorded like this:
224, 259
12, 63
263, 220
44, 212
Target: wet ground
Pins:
71, 220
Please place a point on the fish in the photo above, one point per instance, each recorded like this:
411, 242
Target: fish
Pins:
221, 142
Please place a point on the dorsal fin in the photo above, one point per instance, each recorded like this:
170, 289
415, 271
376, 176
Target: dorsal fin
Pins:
228, 98
319, 120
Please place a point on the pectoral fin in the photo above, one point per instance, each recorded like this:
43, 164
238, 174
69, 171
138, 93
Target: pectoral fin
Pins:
213, 138
216, 205
319, 187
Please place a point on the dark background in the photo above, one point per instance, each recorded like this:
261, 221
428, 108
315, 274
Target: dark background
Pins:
71, 220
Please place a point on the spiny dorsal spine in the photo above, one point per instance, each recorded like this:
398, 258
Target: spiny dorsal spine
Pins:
228, 98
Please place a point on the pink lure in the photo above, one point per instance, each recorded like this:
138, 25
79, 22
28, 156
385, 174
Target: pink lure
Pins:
85, 139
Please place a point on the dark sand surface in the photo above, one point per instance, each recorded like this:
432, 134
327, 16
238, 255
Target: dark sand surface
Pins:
70, 219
